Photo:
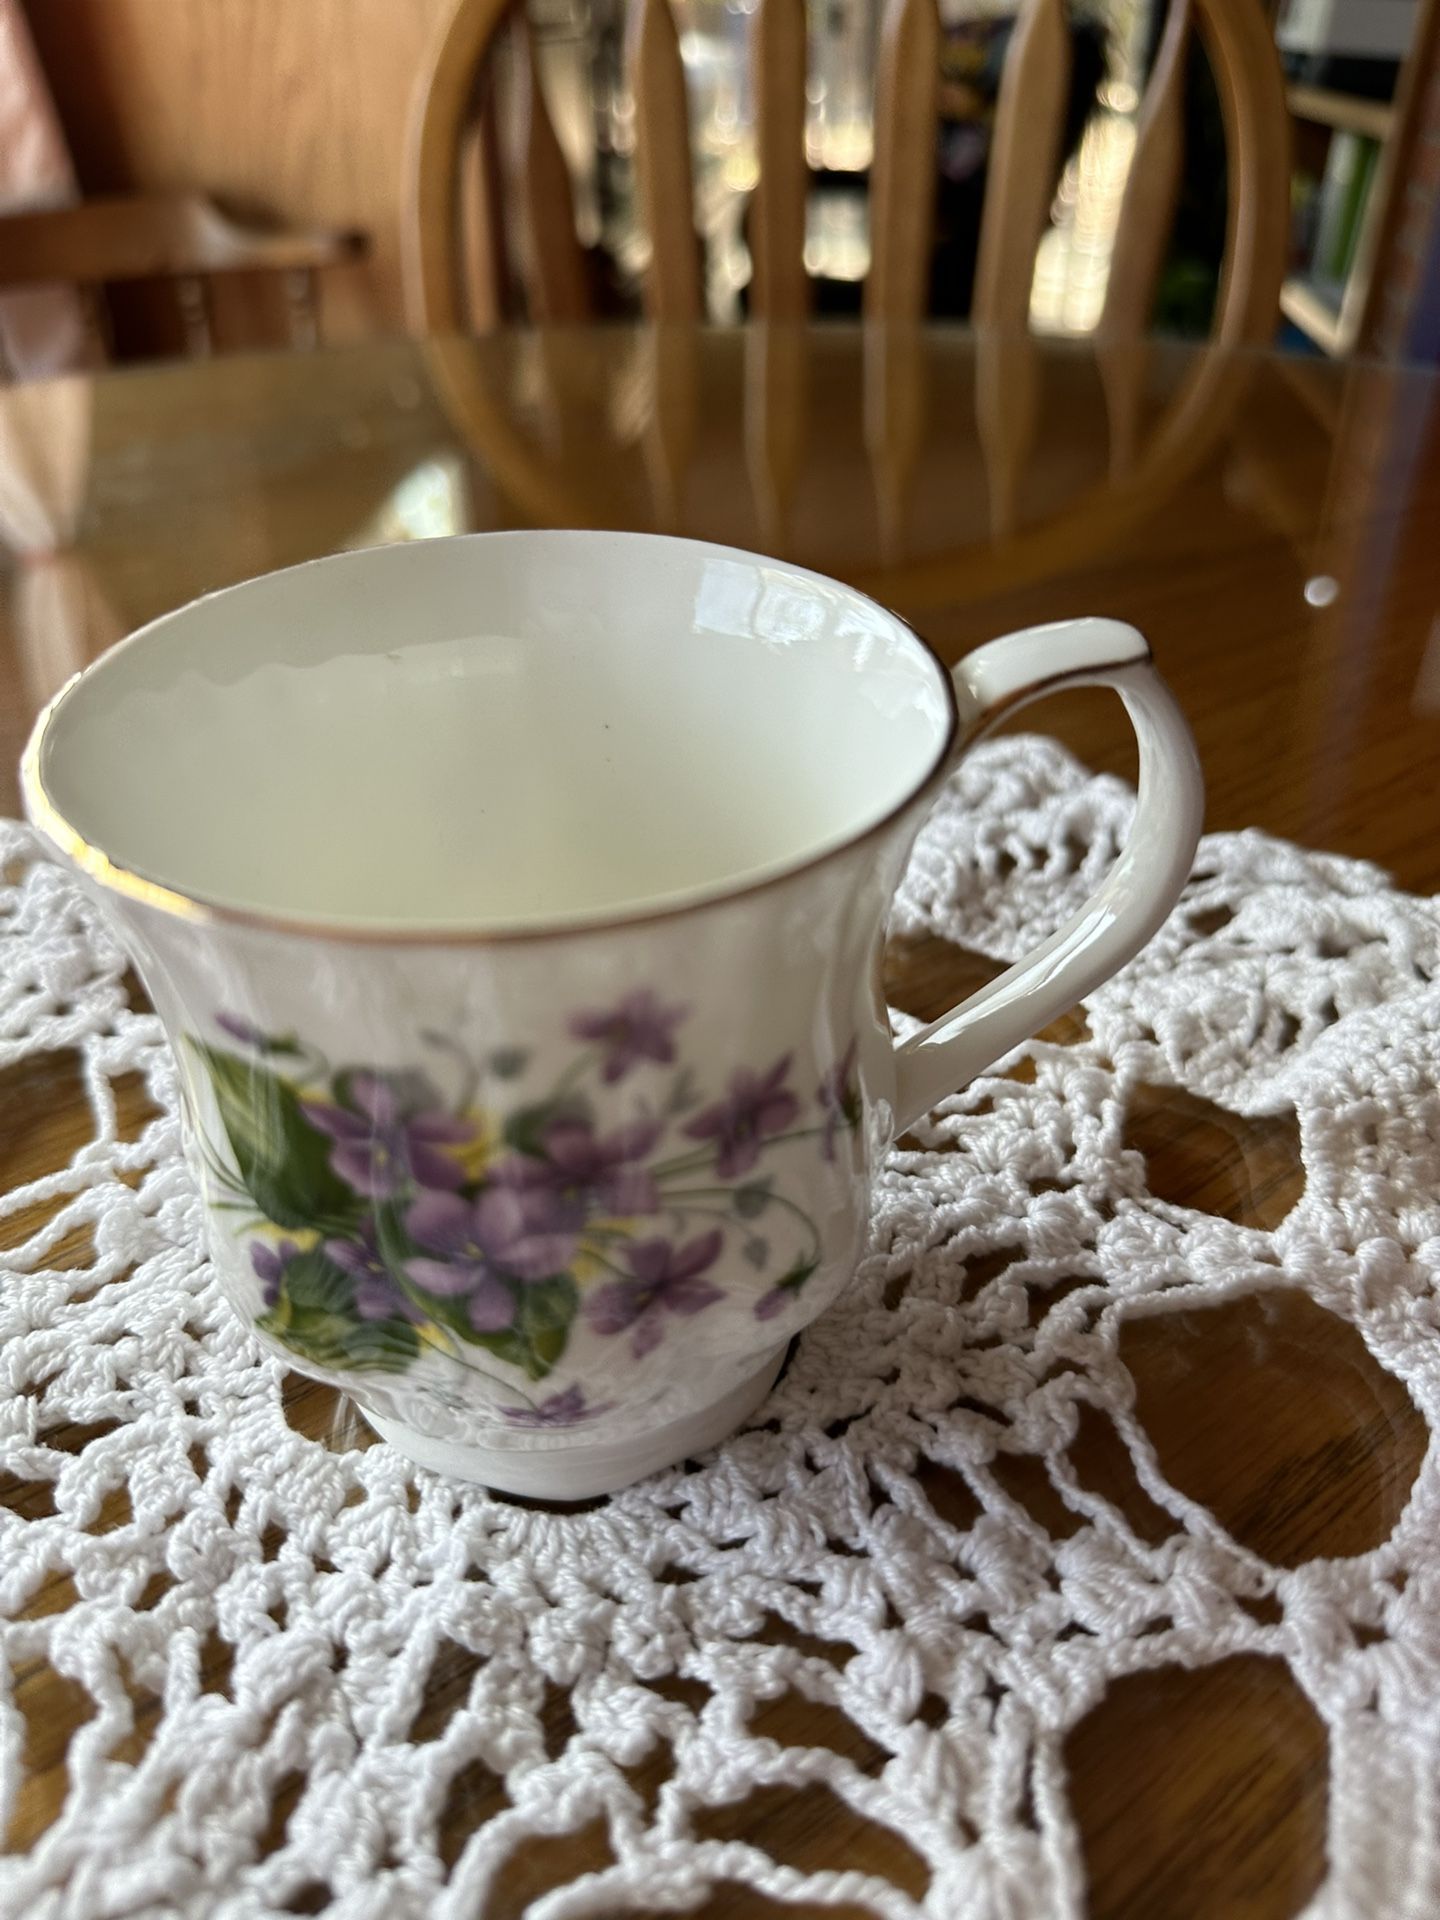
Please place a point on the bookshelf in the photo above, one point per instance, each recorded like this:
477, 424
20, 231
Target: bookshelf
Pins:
1359, 152
1340, 152
1308, 310
1345, 111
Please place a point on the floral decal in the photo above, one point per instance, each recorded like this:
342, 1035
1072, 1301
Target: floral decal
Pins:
384, 1222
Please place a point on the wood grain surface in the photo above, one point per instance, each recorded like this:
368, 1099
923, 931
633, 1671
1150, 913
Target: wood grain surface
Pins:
663, 179
902, 176
778, 289
141, 236
293, 112
1289, 586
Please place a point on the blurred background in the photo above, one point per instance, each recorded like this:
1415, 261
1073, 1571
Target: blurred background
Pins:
294, 117
1118, 303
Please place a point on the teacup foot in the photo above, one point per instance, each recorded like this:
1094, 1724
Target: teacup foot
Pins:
571, 1467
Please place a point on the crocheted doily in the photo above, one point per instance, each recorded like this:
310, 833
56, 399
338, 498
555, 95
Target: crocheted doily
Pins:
286, 1607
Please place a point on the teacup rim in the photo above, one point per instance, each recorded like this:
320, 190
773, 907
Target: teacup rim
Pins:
139, 887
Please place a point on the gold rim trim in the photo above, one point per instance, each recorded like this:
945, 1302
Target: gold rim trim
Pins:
66, 838
47, 819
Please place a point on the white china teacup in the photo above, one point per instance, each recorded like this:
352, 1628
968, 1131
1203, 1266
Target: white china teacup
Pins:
515, 905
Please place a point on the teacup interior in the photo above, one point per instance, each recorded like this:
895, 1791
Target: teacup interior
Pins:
497, 731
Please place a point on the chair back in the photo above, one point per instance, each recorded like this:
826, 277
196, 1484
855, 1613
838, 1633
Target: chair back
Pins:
184, 238
456, 262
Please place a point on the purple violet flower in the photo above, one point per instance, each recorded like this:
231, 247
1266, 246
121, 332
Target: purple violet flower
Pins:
565, 1409
589, 1172
380, 1147
755, 1108
245, 1031
665, 1280
378, 1295
503, 1235
639, 1028
270, 1264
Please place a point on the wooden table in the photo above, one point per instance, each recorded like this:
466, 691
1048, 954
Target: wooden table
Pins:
1271, 524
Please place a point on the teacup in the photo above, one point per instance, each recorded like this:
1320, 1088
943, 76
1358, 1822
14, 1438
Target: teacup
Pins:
515, 906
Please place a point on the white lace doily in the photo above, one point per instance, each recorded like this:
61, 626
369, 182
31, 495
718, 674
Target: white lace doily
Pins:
339, 1578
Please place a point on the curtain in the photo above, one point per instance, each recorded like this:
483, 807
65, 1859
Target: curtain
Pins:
61, 618
43, 330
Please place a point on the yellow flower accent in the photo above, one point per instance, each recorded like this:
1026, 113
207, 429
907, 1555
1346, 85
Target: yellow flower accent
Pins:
302, 1239
475, 1156
588, 1263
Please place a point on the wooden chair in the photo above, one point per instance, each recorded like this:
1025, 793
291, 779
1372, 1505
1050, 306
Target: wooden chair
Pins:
455, 176
457, 188
181, 236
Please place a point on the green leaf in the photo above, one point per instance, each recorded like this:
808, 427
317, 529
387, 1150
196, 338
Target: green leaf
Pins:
392, 1241
381, 1346
313, 1283
342, 1087
795, 1278
508, 1063
314, 1335
507, 1346
315, 1318
340, 1343
525, 1129
449, 1311
544, 1311
283, 1160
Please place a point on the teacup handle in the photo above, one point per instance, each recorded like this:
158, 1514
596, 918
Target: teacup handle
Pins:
1135, 896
